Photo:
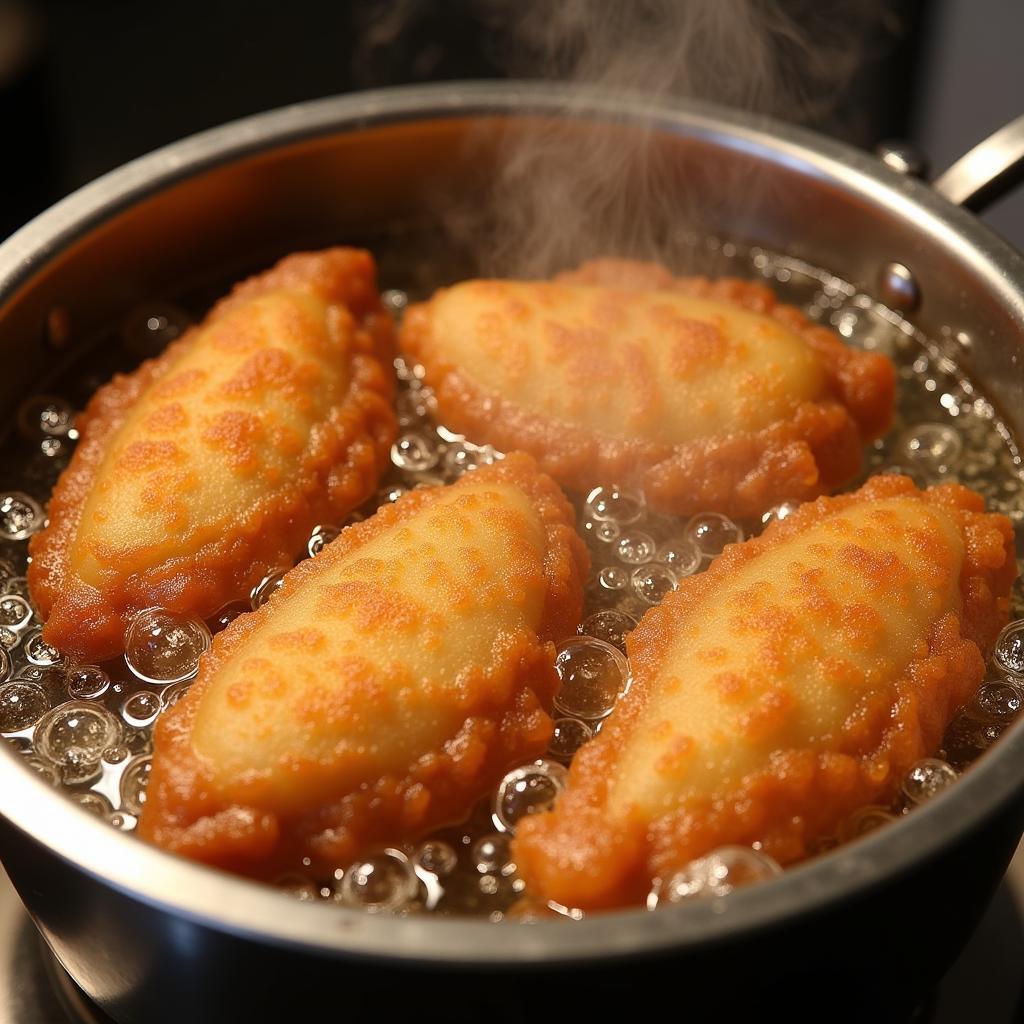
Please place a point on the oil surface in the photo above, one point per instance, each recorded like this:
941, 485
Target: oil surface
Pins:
87, 729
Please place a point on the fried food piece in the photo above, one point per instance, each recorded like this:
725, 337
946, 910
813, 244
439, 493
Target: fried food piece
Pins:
705, 394
793, 682
207, 467
386, 686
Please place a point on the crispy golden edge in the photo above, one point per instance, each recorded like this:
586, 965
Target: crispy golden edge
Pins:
338, 470
184, 811
815, 451
576, 856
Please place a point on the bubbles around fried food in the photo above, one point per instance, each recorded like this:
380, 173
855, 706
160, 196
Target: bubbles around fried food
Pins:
705, 394
386, 687
793, 682
207, 467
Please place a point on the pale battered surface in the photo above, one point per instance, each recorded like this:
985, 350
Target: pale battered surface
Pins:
207, 467
706, 394
796, 680
388, 684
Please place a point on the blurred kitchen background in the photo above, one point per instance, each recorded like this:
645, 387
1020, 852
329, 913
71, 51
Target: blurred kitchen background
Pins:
87, 84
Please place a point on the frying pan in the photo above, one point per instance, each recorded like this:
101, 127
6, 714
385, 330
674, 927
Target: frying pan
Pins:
859, 933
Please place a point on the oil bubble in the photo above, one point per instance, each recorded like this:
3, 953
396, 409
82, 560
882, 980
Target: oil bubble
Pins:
15, 612
87, 681
141, 709
380, 883
22, 704
529, 789
710, 532
267, 588
394, 300
682, 556
320, 538
436, 857
45, 416
226, 615
568, 736
415, 453
20, 516
635, 548
76, 734
161, 647
39, 652
966, 737
133, 784
615, 504
653, 583
927, 779
81, 775
491, 855
613, 577
94, 803
459, 459
932, 447
611, 625
593, 675
717, 874
1008, 653
998, 699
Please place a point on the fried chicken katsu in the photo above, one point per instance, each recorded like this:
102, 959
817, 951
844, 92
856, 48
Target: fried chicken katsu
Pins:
389, 683
796, 680
208, 466
705, 394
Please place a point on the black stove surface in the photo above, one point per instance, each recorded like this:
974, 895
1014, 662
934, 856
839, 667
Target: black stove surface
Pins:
985, 985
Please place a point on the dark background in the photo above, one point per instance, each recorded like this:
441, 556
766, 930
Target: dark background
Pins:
88, 84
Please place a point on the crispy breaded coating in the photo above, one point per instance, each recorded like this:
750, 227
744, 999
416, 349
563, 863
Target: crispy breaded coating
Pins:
386, 686
208, 466
705, 394
793, 682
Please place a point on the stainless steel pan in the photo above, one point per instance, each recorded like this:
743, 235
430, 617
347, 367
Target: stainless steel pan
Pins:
864, 929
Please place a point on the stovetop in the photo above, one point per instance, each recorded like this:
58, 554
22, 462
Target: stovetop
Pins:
985, 986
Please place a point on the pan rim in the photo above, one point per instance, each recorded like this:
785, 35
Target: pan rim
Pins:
251, 909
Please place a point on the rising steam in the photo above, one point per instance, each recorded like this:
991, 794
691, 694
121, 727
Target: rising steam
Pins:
568, 189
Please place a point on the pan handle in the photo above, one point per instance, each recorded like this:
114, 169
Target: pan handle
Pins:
988, 172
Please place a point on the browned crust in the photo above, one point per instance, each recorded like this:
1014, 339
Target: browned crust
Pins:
339, 468
576, 856
817, 450
506, 722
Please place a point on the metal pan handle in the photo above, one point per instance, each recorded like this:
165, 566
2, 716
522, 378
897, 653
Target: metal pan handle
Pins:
988, 172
